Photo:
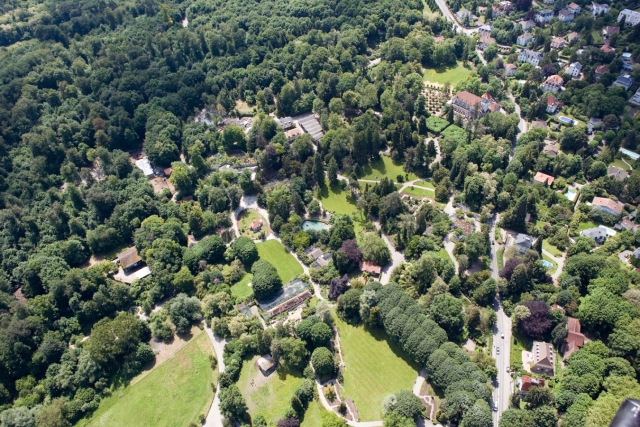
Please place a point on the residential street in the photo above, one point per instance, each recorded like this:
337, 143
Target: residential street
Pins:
442, 4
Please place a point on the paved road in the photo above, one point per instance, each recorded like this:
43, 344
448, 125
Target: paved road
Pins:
442, 4
214, 417
504, 382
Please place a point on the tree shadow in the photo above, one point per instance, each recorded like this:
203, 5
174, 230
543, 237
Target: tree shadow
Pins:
380, 334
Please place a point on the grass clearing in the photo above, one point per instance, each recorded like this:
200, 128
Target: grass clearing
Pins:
243, 108
426, 184
246, 218
173, 395
500, 255
447, 75
551, 249
622, 165
268, 396
335, 199
385, 167
597, 37
273, 251
313, 415
585, 225
241, 290
418, 192
375, 368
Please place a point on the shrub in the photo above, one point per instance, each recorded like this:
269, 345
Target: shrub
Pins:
436, 124
265, 279
322, 361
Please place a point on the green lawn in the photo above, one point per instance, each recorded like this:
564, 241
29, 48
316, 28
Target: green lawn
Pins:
334, 199
597, 36
173, 395
384, 167
247, 216
500, 255
551, 249
269, 396
375, 367
273, 251
313, 415
622, 165
427, 184
585, 225
550, 270
241, 290
442, 253
447, 75
418, 192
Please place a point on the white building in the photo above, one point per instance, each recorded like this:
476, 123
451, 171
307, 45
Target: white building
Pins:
632, 17
530, 56
599, 9
145, 165
544, 16
565, 15
635, 99
524, 39
574, 69
485, 30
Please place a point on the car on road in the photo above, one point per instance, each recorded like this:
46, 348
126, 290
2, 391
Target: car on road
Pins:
497, 350
495, 406
501, 335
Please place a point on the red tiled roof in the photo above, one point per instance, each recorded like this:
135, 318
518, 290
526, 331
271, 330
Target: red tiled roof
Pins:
554, 80
468, 98
573, 324
607, 49
370, 268
543, 178
552, 100
605, 202
602, 69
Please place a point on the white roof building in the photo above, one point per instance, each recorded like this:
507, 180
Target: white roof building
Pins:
145, 165
632, 17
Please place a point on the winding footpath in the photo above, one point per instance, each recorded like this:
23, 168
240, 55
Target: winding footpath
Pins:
214, 417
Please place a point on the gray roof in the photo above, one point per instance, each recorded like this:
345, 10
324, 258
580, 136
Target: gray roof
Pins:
594, 233
636, 253
524, 240
617, 173
624, 80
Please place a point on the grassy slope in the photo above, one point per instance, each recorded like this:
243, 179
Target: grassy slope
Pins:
375, 368
334, 199
241, 290
384, 167
418, 192
447, 75
273, 394
173, 395
313, 415
287, 266
551, 249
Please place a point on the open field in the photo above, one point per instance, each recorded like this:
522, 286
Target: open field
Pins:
335, 199
268, 396
551, 249
244, 108
242, 290
385, 167
375, 367
500, 255
424, 183
585, 225
173, 395
447, 75
418, 192
313, 415
622, 165
287, 266
246, 217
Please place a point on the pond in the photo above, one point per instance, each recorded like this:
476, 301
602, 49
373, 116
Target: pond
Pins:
314, 225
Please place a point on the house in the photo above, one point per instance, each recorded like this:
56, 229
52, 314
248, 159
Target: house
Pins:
145, 166
524, 39
596, 233
574, 69
552, 104
543, 358
624, 81
322, 261
510, 70
549, 1
191, 241
265, 364
285, 122
544, 16
551, 150
314, 253
608, 30
496, 11
524, 242
527, 25
525, 382
626, 223
129, 259
617, 173
464, 14
601, 70
530, 56
598, 9
167, 172
370, 268
557, 43
574, 340
635, 99
472, 106
573, 36
505, 5
485, 41
634, 259
485, 30
552, 84
574, 8
539, 124
482, 10
543, 178
565, 15
606, 49
292, 134
608, 206
627, 61
631, 17
255, 225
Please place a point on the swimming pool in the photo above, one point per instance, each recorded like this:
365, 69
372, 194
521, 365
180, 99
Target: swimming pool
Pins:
314, 225
546, 263
571, 195
634, 156
567, 120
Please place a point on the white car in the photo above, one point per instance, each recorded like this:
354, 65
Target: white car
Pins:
497, 350
495, 406
501, 335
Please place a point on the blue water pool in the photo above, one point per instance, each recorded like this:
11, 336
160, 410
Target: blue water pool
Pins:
314, 225
567, 120
571, 195
634, 156
546, 263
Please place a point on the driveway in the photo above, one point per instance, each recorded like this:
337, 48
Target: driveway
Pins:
214, 417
